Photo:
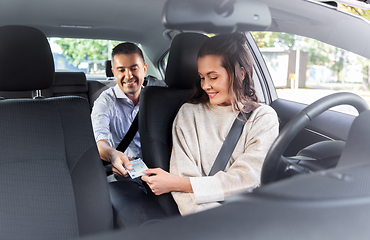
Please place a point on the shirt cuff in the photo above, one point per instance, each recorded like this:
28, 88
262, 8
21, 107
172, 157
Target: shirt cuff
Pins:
207, 189
101, 137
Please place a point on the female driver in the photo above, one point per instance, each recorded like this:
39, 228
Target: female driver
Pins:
201, 126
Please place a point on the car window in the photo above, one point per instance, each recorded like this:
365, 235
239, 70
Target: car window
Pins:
323, 69
87, 55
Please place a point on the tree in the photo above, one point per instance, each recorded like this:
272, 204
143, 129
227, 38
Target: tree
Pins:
274, 39
79, 50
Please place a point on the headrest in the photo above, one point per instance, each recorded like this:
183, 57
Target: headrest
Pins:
70, 83
182, 67
108, 69
70, 79
26, 61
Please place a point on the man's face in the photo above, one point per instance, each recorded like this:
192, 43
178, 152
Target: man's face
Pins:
129, 71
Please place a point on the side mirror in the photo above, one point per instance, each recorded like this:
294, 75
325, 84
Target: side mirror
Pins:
216, 16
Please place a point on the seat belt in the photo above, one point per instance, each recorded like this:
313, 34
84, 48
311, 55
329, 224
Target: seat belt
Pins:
127, 139
229, 144
125, 142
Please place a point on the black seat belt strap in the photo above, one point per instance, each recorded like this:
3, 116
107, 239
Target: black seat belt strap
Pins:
125, 142
229, 144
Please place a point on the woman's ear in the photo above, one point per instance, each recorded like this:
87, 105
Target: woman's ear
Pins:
243, 72
240, 71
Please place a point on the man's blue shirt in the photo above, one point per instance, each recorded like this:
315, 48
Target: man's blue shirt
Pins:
112, 115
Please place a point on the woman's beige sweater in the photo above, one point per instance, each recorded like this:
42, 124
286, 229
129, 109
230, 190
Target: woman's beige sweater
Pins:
199, 131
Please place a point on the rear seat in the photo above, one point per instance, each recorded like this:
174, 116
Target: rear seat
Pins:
70, 83
67, 84
20, 94
97, 87
75, 83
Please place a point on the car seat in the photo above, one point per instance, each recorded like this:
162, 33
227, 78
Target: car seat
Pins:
52, 182
108, 70
70, 83
159, 106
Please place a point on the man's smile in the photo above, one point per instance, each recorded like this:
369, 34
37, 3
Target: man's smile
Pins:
130, 83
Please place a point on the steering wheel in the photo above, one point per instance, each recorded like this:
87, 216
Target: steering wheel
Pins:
275, 163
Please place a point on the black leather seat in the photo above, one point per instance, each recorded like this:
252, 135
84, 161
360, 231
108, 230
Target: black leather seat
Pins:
52, 183
159, 106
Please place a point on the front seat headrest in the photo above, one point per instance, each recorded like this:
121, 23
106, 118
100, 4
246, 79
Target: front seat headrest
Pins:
26, 61
182, 67
108, 69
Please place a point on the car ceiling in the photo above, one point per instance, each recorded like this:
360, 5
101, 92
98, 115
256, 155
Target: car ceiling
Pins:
141, 21
129, 20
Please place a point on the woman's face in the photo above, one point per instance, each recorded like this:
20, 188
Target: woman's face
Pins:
215, 80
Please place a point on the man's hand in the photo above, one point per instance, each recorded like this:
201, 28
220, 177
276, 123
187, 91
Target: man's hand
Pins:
118, 159
161, 182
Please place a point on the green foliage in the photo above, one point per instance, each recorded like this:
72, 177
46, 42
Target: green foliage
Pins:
320, 53
274, 39
79, 50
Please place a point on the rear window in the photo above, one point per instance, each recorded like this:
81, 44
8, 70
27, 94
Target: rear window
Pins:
88, 56
83, 55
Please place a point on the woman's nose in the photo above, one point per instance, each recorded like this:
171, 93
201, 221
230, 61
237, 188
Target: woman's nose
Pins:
205, 84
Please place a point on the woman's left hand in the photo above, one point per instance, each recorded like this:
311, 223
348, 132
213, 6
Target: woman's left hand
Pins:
159, 181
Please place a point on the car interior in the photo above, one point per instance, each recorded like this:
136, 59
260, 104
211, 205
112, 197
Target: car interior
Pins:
314, 181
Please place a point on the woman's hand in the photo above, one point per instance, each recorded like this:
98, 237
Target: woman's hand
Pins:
161, 182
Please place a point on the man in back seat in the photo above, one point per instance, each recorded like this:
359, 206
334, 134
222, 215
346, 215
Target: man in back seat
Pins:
116, 108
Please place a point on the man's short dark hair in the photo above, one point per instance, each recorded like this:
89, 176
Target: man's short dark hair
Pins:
127, 48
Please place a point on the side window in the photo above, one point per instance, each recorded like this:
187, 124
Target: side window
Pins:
304, 70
